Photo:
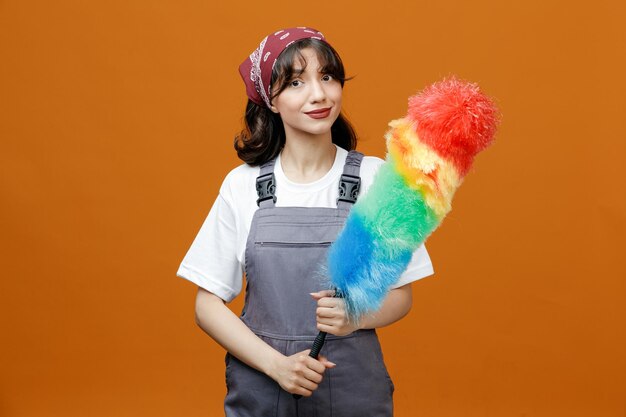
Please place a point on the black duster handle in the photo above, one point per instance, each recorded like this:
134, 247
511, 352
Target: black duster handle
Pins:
317, 345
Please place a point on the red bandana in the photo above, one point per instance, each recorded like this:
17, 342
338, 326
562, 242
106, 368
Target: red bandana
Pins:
256, 70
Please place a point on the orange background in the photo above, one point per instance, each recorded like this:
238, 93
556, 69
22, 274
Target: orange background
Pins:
117, 119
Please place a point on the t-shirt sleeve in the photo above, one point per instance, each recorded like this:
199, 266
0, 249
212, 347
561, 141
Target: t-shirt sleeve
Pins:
211, 261
419, 267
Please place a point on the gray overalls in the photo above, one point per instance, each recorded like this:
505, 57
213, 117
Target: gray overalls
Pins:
284, 251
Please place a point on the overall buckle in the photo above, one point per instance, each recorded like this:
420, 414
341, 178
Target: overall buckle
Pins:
349, 186
265, 188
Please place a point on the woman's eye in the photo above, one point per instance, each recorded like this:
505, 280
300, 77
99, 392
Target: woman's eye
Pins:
295, 83
327, 77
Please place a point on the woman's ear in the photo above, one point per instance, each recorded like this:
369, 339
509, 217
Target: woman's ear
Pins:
273, 108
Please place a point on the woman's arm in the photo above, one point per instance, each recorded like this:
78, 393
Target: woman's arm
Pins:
332, 317
297, 374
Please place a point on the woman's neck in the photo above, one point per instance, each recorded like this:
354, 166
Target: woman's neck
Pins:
306, 161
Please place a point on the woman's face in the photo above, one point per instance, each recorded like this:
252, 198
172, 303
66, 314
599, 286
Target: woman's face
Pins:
311, 102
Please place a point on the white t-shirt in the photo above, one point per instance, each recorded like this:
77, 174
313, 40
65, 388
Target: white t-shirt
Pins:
215, 261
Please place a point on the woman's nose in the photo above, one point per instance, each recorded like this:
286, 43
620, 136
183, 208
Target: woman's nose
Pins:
318, 92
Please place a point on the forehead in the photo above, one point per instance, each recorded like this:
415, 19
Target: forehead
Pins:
308, 57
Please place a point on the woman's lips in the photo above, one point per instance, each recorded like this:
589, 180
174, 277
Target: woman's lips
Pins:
319, 114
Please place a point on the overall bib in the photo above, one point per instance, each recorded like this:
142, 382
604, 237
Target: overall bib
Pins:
285, 249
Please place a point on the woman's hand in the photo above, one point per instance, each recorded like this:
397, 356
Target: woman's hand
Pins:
300, 373
331, 314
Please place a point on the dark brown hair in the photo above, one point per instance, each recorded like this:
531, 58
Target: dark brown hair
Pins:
264, 134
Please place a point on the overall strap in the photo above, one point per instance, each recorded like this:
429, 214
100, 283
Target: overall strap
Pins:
350, 182
266, 185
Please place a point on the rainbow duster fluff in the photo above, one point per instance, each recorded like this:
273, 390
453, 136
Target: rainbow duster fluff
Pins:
428, 154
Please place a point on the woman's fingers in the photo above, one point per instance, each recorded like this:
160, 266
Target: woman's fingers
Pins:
307, 384
325, 312
306, 373
326, 362
312, 376
322, 294
326, 328
313, 373
310, 371
301, 391
300, 373
313, 364
330, 302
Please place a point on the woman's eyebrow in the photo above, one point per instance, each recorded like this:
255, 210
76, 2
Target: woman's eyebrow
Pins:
299, 71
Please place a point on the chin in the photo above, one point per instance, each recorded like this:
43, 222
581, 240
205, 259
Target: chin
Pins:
319, 132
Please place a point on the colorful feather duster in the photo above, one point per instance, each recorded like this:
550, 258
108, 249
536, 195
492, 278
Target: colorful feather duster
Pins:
428, 154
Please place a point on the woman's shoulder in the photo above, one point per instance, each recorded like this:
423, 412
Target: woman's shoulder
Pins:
369, 166
371, 162
240, 178
242, 172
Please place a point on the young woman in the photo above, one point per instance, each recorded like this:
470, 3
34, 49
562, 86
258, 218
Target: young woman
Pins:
273, 219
